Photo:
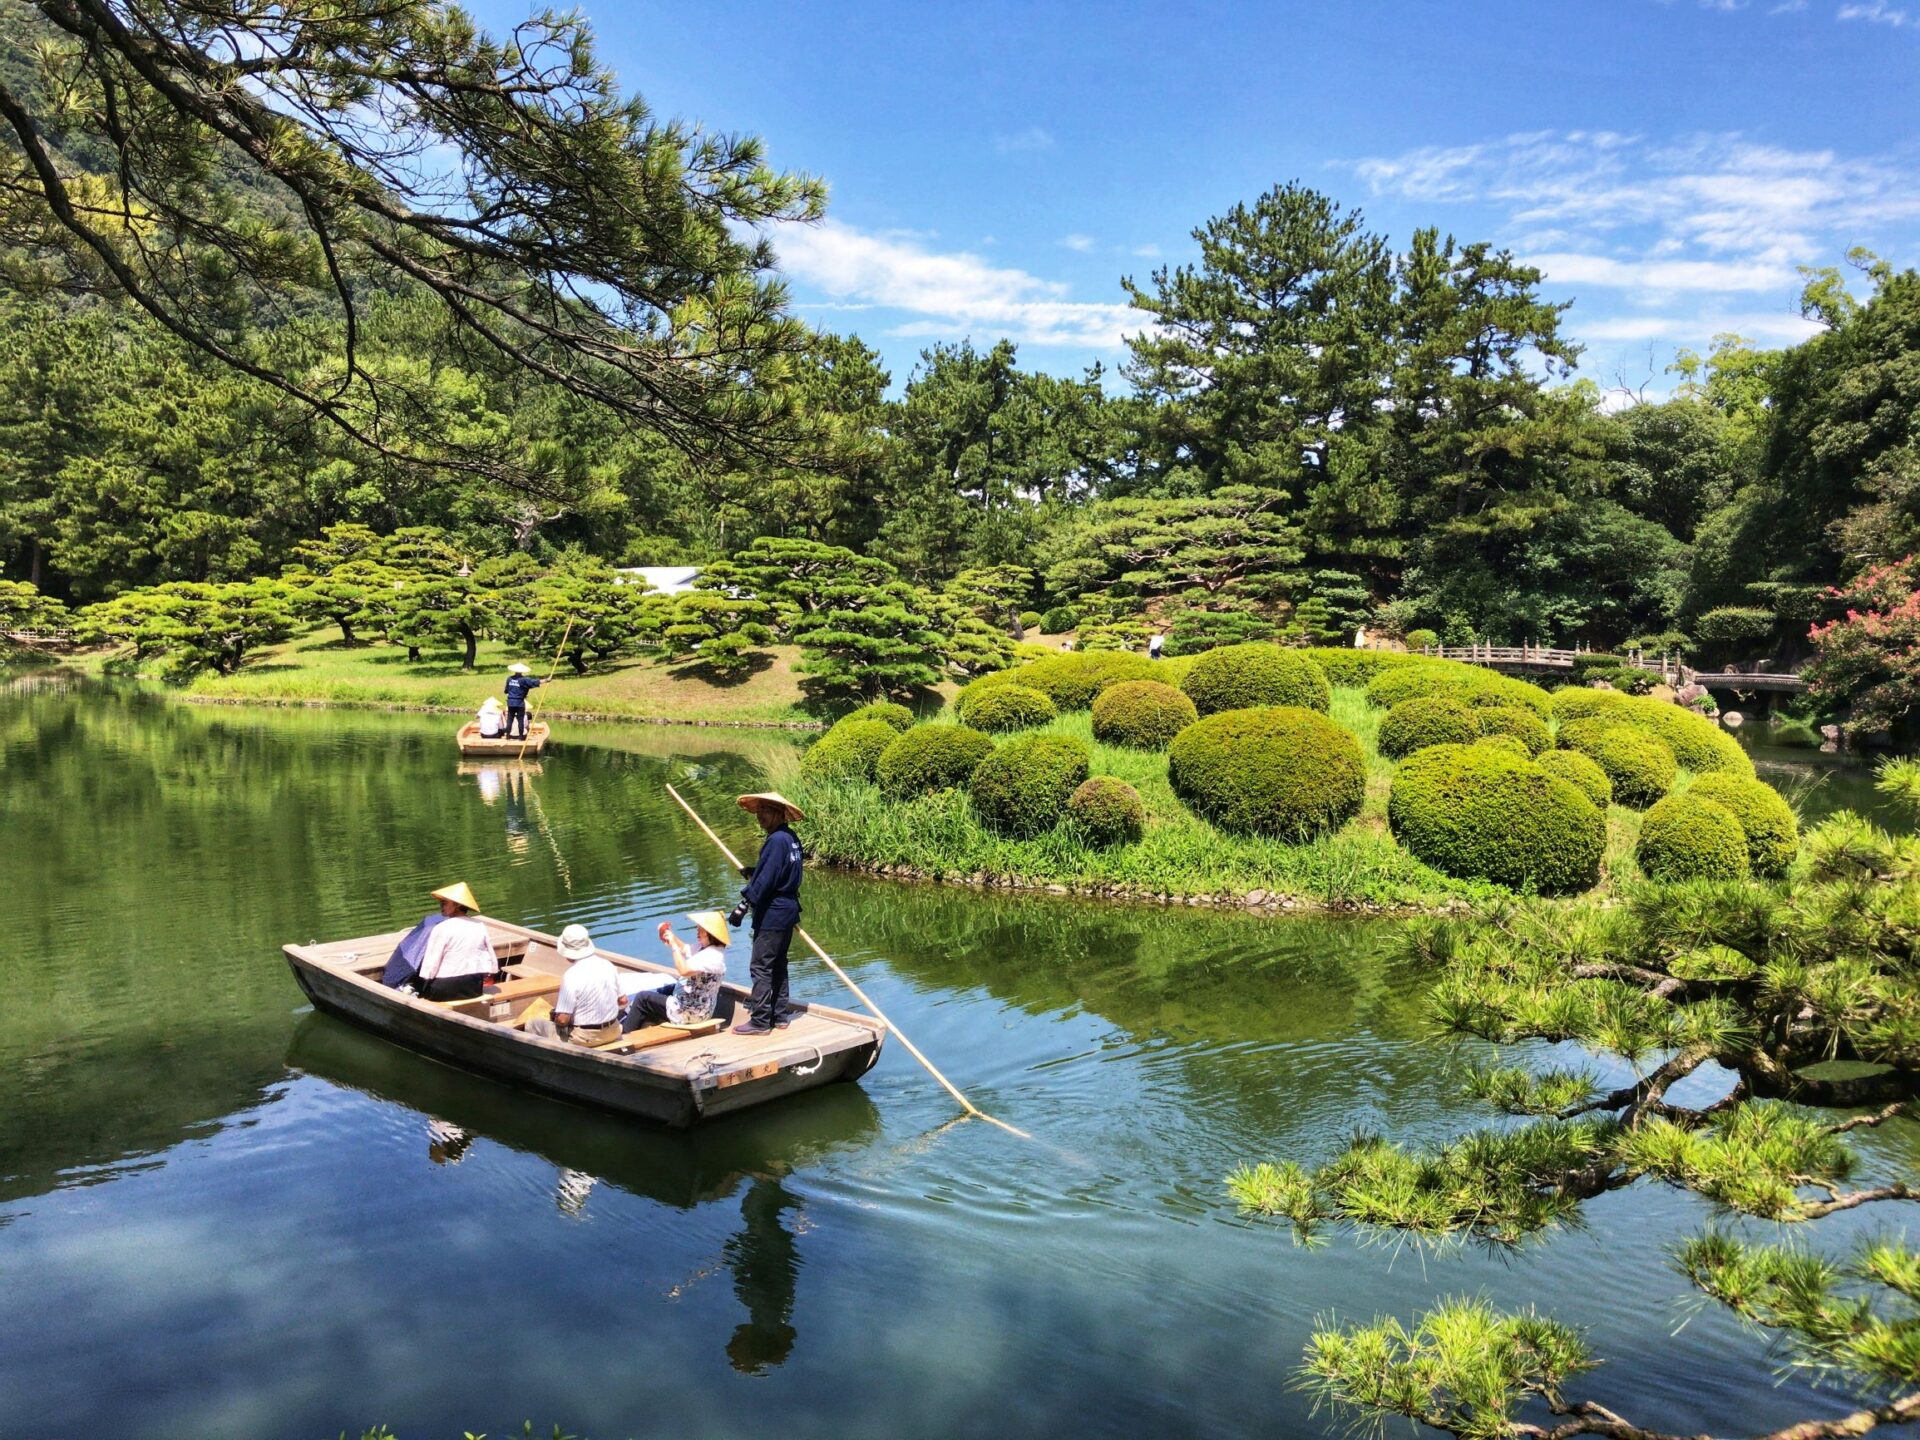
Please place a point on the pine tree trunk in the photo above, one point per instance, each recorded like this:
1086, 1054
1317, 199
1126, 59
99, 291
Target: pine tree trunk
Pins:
472, 637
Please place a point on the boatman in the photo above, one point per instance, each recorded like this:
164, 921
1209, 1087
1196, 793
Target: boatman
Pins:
772, 894
520, 683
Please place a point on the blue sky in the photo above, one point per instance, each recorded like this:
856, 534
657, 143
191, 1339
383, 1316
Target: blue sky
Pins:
995, 168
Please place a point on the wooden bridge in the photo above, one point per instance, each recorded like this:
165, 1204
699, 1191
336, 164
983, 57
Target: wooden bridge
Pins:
1542, 659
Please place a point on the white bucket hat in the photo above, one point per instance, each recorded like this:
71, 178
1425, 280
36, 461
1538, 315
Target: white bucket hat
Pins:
575, 942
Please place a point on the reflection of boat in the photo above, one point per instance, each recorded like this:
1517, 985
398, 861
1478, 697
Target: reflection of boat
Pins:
492, 767
676, 1075
471, 744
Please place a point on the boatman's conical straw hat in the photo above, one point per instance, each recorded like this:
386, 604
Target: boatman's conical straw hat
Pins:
774, 799
714, 923
459, 894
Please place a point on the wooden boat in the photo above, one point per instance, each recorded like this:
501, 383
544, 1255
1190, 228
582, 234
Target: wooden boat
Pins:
677, 1075
471, 743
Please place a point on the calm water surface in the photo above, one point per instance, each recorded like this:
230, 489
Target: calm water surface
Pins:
222, 1215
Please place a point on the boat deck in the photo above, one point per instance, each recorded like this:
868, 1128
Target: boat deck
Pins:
471, 743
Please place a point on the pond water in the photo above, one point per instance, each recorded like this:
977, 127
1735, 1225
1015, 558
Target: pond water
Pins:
222, 1215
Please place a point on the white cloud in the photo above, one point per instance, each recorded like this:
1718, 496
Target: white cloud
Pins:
1146, 252
1782, 328
1662, 276
1077, 241
1025, 142
945, 295
1877, 11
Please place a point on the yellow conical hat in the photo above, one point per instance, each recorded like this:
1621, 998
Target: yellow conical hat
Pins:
714, 923
772, 797
459, 894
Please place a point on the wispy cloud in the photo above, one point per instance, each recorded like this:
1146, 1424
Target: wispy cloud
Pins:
1879, 12
1077, 241
1024, 142
945, 294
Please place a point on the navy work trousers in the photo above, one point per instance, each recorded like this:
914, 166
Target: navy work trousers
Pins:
768, 971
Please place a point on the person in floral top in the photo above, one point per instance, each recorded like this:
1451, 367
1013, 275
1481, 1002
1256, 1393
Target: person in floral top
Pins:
699, 968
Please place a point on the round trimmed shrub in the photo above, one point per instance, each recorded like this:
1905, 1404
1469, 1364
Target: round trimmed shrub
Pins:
1426, 720
1511, 744
1422, 639
849, 751
1029, 619
885, 711
1581, 772
1022, 787
1278, 770
930, 757
1584, 734
1505, 692
1412, 682
1578, 703
1481, 812
1141, 714
1107, 811
1006, 707
1639, 765
1355, 669
1525, 726
1685, 837
1058, 621
1773, 834
1697, 743
1240, 677
1072, 681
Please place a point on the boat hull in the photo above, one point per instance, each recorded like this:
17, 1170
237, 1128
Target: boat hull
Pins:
472, 745
699, 1078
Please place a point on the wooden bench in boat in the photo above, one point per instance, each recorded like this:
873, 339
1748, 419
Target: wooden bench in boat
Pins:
649, 1036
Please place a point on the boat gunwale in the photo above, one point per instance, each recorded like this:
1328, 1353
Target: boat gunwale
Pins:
498, 747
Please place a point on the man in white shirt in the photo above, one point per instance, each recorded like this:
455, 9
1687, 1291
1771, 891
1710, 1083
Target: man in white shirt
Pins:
698, 970
458, 958
587, 1009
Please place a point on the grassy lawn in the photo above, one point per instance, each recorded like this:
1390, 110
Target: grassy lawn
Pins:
317, 669
1181, 855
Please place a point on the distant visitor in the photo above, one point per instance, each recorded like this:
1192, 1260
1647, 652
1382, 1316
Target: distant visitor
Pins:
772, 895
490, 718
520, 683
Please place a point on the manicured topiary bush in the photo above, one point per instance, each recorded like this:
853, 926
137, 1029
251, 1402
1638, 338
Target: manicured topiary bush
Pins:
1697, 743
1021, 788
1273, 770
1059, 620
1685, 837
1141, 714
1639, 765
930, 757
1239, 677
1469, 684
1107, 811
1581, 703
1584, 734
1525, 726
1425, 720
1029, 619
885, 711
1071, 681
1481, 812
1773, 834
1511, 744
1581, 772
1355, 669
1504, 691
849, 751
1422, 639
1010, 706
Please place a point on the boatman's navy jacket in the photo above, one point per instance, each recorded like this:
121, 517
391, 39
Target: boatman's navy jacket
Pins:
773, 891
517, 688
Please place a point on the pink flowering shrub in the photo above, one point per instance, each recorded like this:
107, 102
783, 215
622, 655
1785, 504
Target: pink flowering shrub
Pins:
1871, 658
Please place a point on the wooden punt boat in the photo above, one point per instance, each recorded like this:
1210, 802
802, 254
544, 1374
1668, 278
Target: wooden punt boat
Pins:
676, 1075
471, 744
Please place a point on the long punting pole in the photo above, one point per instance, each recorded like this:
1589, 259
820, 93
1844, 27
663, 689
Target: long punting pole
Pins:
912, 1049
552, 670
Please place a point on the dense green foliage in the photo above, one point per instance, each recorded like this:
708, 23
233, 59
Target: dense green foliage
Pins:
1639, 766
1011, 706
885, 711
1766, 820
1470, 684
1689, 837
850, 750
1523, 725
1274, 770
1072, 681
1426, 720
1237, 677
1022, 786
1142, 714
930, 757
1107, 811
1582, 772
1483, 812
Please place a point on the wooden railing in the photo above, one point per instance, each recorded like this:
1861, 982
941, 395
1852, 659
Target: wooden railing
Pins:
1546, 657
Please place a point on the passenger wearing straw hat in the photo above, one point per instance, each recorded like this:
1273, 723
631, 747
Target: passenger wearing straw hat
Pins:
587, 1009
403, 966
698, 970
458, 958
772, 894
520, 682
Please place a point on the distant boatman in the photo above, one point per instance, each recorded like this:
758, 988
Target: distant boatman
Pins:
520, 683
772, 894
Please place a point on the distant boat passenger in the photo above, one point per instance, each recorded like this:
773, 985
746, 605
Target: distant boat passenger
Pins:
490, 718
